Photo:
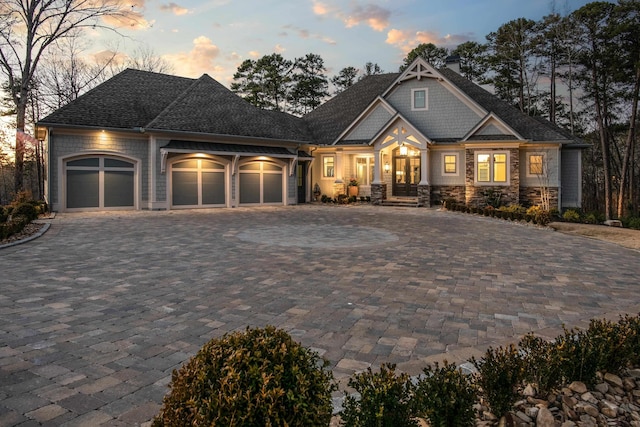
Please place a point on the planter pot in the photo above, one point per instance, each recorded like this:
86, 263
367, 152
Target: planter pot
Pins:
353, 190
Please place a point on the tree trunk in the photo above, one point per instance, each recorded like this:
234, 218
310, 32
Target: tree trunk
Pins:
18, 177
629, 143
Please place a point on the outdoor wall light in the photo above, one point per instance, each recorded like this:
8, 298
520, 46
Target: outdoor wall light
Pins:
387, 167
403, 150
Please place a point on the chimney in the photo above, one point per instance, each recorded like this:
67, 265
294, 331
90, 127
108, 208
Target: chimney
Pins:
453, 62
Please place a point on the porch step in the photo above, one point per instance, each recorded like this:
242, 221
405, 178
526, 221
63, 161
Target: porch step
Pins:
407, 202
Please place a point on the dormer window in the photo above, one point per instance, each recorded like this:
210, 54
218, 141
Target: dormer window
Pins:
419, 99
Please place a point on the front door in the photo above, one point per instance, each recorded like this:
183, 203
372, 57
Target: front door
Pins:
301, 171
406, 172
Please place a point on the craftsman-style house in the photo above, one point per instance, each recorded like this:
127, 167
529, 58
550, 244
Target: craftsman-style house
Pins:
144, 140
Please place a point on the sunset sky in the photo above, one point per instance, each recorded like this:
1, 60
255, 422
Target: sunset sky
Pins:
215, 36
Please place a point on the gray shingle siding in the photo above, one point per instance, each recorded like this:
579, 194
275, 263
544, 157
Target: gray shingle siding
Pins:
446, 117
371, 125
65, 145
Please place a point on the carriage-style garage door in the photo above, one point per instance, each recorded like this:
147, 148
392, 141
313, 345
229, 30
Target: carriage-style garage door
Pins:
100, 183
260, 183
197, 183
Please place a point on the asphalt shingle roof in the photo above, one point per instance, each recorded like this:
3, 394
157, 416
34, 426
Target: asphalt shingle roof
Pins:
130, 99
533, 128
141, 99
330, 119
209, 107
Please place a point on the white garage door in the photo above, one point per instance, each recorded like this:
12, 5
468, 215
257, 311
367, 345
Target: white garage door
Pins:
261, 183
197, 183
100, 183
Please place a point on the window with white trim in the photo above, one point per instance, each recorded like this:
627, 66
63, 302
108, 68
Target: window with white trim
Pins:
328, 166
492, 167
364, 170
450, 164
535, 164
419, 99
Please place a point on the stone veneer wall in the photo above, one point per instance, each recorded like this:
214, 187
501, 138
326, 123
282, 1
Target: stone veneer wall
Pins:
530, 196
424, 195
378, 193
443, 192
339, 188
474, 195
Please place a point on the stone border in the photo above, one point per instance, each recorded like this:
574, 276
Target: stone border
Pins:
34, 236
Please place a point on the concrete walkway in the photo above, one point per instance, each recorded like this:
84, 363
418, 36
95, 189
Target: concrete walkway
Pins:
96, 313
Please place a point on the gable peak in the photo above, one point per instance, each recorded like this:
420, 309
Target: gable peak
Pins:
420, 69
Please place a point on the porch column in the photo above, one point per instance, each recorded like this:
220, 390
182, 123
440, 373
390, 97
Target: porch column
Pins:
377, 167
339, 168
424, 168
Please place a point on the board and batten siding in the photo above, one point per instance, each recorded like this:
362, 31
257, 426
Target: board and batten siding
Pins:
571, 178
446, 117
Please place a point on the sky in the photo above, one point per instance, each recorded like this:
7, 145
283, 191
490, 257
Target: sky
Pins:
215, 36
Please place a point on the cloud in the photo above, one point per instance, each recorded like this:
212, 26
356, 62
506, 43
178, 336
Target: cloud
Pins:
406, 40
279, 48
305, 34
200, 59
174, 8
130, 16
370, 14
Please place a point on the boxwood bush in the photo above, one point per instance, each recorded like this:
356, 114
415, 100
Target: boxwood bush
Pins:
259, 377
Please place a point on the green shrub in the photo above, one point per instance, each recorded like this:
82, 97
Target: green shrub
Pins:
500, 374
385, 400
492, 197
571, 215
445, 396
541, 363
256, 377
25, 209
538, 215
631, 222
449, 203
579, 358
14, 226
631, 327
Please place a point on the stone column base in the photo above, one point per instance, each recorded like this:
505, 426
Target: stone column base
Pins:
424, 195
378, 193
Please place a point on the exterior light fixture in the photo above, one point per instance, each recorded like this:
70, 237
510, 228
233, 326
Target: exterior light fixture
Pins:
403, 150
387, 167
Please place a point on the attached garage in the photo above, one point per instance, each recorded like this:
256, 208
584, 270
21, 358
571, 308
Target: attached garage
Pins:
100, 182
198, 183
261, 183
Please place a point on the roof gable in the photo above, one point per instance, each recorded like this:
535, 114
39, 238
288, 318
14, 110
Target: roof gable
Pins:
491, 126
376, 115
332, 118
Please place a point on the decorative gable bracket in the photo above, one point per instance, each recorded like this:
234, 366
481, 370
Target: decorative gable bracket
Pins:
420, 70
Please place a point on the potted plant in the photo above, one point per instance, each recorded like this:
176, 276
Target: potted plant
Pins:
316, 192
353, 187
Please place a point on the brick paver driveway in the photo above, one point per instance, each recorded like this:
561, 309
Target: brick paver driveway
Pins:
95, 314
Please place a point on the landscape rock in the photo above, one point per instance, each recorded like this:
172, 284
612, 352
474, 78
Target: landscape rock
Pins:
612, 379
545, 418
580, 387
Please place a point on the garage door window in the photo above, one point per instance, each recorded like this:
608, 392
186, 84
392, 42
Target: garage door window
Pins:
260, 183
198, 182
100, 182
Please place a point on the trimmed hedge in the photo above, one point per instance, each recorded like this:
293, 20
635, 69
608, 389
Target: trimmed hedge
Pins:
259, 377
